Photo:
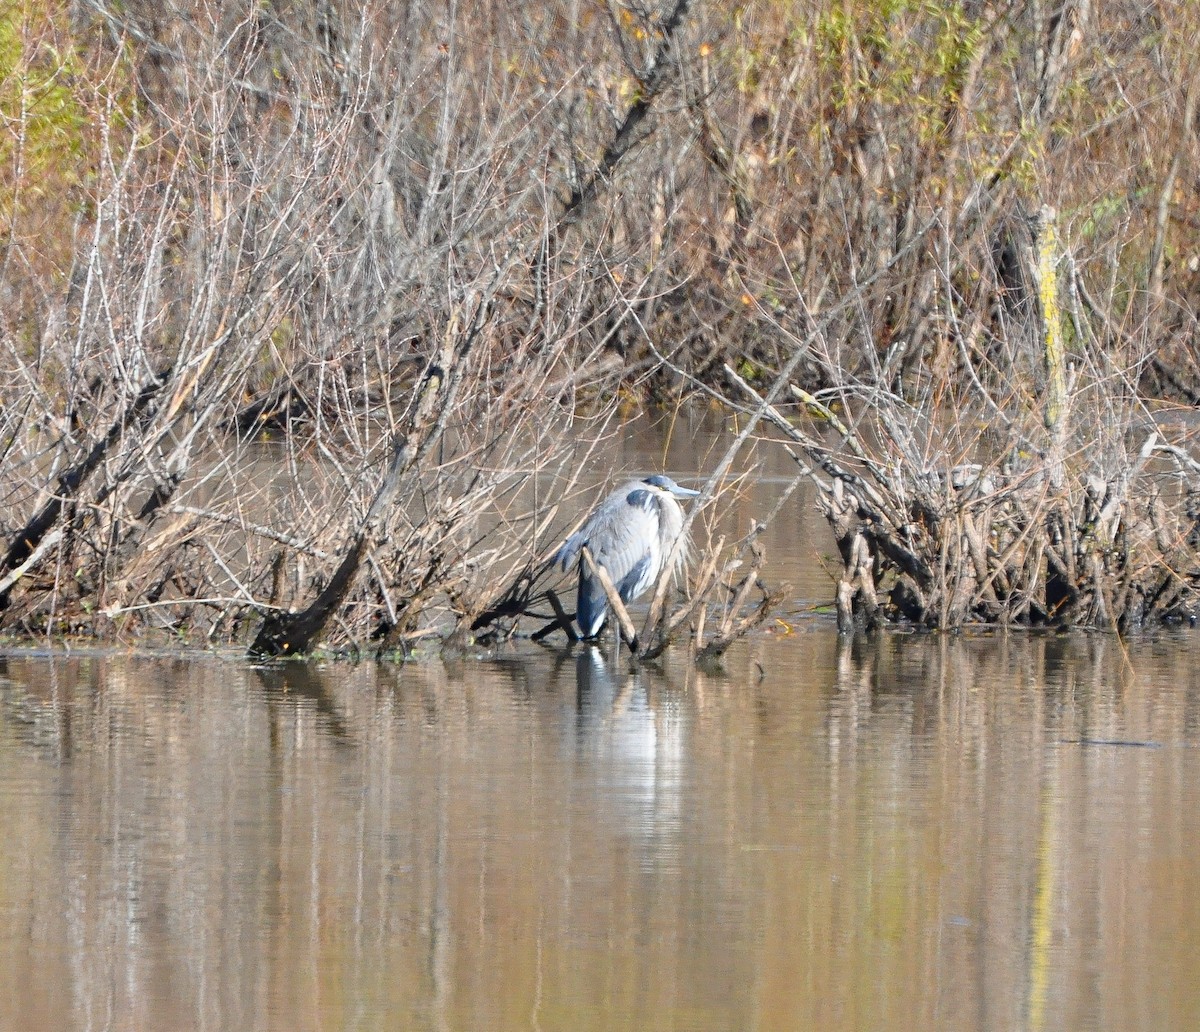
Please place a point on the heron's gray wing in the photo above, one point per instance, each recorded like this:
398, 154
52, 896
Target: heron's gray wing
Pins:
600, 525
569, 552
620, 534
635, 581
624, 532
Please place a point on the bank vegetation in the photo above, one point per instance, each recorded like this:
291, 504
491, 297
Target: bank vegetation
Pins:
316, 317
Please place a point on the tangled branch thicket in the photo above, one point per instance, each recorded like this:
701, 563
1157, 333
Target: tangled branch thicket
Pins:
303, 305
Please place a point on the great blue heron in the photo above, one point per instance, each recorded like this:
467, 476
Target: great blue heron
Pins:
630, 534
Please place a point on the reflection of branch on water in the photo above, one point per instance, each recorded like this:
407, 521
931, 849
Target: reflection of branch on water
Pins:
40, 718
293, 681
1041, 918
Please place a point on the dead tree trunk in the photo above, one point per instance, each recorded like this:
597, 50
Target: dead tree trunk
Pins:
25, 542
292, 633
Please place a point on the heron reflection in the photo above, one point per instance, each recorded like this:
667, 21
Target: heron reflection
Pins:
630, 731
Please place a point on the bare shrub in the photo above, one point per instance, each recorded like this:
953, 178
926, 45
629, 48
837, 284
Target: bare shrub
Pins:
325, 328
301, 302
1020, 497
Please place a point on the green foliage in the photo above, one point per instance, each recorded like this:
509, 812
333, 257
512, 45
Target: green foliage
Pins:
54, 102
748, 371
44, 119
1106, 209
899, 53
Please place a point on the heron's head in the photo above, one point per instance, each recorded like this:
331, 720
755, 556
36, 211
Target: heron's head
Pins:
669, 485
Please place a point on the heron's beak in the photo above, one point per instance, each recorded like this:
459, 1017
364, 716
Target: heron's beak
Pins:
684, 492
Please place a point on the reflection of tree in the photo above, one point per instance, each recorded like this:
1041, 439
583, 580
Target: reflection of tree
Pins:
1041, 920
996, 798
34, 708
907, 831
288, 684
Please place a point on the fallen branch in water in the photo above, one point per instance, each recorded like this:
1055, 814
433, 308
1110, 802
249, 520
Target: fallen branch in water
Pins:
736, 620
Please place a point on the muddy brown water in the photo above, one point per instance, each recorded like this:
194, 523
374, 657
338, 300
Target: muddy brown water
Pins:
908, 832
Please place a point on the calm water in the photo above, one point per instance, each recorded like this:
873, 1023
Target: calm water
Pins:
913, 833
